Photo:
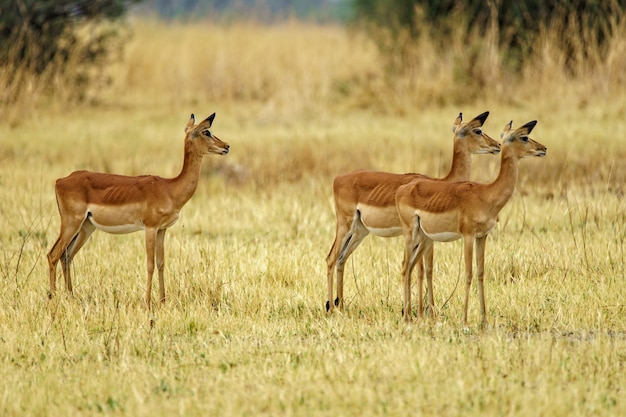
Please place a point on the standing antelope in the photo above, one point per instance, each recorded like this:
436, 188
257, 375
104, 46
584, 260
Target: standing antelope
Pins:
442, 211
365, 203
121, 204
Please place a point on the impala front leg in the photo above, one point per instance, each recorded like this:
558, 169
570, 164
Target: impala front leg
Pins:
160, 261
480, 272
428, 261
151, 235
468, 249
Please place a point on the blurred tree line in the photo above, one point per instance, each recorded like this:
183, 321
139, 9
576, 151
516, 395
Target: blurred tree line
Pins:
43, 38
48, 37
516, 22
65, 44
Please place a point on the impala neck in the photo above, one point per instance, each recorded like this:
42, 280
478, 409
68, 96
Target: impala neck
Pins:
461, 165
185, 184
501, 190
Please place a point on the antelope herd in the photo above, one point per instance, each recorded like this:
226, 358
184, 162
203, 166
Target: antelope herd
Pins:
420, 208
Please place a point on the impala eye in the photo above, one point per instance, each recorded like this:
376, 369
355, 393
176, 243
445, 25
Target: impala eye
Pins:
524, 138
478, 131
207, 133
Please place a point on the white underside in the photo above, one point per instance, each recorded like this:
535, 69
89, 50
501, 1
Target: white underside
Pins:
444, 236
118, 229
386, 232
386, 218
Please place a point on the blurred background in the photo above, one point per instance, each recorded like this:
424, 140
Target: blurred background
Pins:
292, 57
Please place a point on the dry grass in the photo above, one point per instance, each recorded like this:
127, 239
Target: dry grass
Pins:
243, 331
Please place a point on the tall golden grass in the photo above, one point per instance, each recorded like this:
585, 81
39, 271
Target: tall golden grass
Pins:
243, 330
297, 67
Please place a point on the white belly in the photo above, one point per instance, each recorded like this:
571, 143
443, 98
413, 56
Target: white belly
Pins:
118, 229
386, 232
444, 236
381, 221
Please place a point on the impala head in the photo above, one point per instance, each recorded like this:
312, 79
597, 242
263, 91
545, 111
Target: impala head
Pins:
200, 137
471, 136
520, 143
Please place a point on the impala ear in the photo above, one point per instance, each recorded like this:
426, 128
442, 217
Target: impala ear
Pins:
190, 123
457, 122
506, 129
210, 119
529, 126
482, 117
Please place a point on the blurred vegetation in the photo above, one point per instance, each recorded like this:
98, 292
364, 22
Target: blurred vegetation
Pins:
500, 34
61, 42
518, 22
391, 56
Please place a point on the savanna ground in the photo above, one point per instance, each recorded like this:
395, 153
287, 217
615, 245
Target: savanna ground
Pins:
243, 330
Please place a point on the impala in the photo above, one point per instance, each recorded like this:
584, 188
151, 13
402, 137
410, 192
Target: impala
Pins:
443, 211
365, 202
121, 204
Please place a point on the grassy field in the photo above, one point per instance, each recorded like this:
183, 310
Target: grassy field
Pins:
243, 331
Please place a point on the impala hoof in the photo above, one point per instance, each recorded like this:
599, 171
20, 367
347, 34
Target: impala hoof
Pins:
327, 306
337, 302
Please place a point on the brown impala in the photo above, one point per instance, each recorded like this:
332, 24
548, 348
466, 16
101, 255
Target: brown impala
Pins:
365, 202
121, 204
441, 211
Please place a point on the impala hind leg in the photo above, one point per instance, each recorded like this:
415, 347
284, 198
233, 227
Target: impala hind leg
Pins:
350, 242
331, 261
69, 232
427, 263
75, 245
415, 245
343, 245
420, 281
424, 266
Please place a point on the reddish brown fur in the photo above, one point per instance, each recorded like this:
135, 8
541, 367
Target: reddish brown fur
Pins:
434, 210
367, 199
122, 204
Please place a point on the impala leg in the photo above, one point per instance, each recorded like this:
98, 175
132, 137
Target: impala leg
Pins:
406, 279
480, 272
75, 245
468, 249
428, 268
416, 243
151, 235
331, 261
160, 261
66, 236
420, 282
350, 242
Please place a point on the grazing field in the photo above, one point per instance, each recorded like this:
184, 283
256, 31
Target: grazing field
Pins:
243, 330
